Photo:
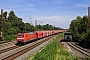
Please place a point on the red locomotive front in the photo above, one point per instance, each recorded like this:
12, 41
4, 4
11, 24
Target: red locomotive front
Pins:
20, 37
24, 37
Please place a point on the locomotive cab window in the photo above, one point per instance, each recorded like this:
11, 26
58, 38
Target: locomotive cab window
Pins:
21, 35
67, 36
67, 33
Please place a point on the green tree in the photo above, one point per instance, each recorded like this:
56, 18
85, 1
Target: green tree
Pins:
78, 27
5, 15
11, 31
28, 27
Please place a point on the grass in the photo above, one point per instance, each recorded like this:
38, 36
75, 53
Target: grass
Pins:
54, 51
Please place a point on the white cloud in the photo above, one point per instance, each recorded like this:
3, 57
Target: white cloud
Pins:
54, 8
29, 9
82, 5
58, 2
59, 21
45, 12
16, 6
31, 5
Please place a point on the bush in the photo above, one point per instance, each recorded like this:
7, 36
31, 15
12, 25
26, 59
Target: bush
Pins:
9, 37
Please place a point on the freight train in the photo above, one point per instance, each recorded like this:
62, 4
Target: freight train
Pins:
22, 38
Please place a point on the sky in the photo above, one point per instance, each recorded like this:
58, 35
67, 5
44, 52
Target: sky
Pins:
58, 13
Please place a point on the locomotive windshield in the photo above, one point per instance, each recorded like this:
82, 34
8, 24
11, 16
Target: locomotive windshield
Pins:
22, 35
67, 33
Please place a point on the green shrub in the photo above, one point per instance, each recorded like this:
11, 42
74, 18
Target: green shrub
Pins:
9, 37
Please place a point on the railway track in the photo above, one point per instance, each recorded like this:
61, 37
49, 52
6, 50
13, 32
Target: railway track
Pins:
8, 49
7, 45
78, 48
23, 50
1, 42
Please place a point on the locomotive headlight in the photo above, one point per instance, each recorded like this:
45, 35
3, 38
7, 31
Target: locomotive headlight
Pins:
20, 38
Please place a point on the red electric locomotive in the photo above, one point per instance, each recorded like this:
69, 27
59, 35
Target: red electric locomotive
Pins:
24, 37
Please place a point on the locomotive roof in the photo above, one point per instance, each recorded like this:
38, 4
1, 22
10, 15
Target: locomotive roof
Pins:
31, 32
67, 33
